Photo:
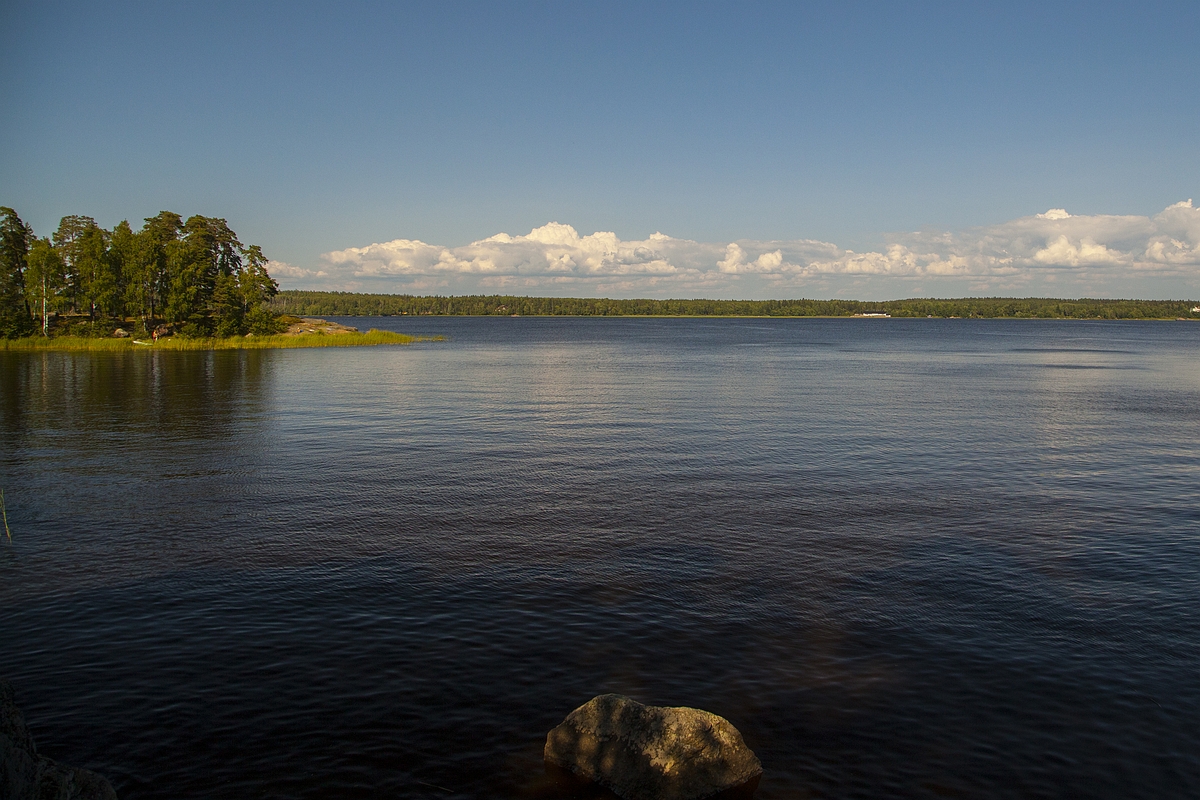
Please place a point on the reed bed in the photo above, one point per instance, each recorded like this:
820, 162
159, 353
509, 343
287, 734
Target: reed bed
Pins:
81, 344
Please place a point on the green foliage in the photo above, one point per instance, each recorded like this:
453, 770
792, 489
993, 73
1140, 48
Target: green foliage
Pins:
81, 326
228, 314
350, 304
124, 264
194, 329
157, 239
91, 281
261, 322
256, 286
45, 281
15, 319
194, 278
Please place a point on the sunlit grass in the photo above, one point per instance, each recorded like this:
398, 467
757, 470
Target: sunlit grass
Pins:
82, 344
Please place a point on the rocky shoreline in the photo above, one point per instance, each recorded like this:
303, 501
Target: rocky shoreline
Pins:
610, 746
25, 775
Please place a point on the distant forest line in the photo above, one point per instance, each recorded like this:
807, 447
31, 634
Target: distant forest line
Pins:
349, 304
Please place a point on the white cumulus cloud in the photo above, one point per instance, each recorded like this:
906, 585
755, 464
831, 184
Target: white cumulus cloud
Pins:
1085, 254
282, 269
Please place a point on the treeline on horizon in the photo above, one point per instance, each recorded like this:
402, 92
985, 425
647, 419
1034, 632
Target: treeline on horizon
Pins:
312, 303
172, 276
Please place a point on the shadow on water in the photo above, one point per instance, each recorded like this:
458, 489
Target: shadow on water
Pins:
201, 394
83, 429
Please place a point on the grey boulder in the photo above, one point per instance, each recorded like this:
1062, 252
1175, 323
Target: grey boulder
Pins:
24, 775
643, 752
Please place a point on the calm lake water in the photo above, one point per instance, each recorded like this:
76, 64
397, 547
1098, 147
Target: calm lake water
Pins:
917, 558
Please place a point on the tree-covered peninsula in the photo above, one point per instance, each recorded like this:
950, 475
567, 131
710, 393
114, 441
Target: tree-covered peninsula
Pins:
350, 304
189, 278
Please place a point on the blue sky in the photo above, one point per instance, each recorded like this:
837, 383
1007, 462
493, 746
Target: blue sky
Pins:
348, 139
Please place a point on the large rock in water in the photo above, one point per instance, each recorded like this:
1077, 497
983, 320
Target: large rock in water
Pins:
653, 753
24, 775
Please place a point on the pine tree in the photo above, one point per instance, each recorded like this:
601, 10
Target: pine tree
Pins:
15, 319
157, 241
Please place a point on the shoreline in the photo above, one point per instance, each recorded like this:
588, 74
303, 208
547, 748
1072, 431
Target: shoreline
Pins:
347, 304
307, 332
766, 316
311, 332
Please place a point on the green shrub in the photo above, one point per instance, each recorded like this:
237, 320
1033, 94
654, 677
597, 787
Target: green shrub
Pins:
262, 322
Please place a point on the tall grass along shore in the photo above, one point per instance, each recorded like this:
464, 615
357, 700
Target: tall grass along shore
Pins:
88, 344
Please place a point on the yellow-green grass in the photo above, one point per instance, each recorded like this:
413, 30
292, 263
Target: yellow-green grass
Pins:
79, 343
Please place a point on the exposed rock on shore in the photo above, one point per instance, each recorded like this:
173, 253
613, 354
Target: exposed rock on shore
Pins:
313, 325
653, 753
24, 775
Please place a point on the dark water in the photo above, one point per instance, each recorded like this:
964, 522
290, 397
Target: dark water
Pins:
906, 558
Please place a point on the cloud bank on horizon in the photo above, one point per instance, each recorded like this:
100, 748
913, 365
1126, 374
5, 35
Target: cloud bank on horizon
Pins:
1053, 253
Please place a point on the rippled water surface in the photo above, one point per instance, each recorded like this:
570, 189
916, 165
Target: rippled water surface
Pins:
920, 558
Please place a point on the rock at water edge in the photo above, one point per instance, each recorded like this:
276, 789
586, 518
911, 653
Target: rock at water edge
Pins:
645, 752
24, 775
